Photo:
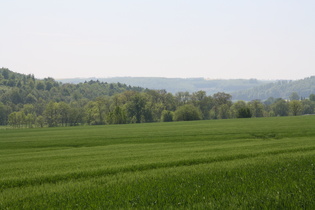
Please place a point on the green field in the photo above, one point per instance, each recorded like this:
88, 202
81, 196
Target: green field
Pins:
257, 163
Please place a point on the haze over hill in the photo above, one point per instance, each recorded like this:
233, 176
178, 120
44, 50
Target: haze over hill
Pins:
174, 85
279, 89
240, 89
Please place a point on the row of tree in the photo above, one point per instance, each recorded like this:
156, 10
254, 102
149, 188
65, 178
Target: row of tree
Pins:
149, 106
29, 102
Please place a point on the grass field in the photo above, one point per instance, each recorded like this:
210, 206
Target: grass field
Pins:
262, 163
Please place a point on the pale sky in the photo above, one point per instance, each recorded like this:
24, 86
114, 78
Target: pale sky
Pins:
228, 39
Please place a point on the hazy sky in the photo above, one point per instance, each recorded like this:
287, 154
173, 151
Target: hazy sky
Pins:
263, 39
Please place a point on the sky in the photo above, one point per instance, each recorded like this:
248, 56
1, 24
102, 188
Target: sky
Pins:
269, 39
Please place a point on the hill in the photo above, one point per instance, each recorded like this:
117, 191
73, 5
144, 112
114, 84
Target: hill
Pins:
16, 88
280, 89
174, 85
29, 101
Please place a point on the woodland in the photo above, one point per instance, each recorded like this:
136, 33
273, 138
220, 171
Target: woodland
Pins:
27, 102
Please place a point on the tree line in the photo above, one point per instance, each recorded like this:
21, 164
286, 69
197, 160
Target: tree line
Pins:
150, 106
28, 102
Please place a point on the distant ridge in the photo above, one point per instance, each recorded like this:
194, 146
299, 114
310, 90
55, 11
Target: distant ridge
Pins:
279, 89
174, 85
240, 89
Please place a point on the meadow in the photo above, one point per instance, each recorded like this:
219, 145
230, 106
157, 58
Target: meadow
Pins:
259, 163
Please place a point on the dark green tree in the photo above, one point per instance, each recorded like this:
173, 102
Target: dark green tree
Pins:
167, 116
4, 113
256, 108
136, 107
236, 107
5, 73
224, 111
30, 99
40, 85
308, 106
203, 102
117, 116
244, 112
40, 121
187, 112
221, 98
280, 108
295, 107
51, 113
64, 111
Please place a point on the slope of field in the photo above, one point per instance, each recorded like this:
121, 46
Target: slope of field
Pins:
243, 163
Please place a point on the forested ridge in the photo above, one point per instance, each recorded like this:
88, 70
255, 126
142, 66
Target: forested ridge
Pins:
19, 92
29, 102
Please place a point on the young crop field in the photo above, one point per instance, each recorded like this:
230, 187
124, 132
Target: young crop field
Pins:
259, 163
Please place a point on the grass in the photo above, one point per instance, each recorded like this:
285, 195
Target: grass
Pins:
266, 163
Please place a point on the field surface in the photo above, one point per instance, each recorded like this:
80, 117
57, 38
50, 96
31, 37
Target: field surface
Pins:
262, 163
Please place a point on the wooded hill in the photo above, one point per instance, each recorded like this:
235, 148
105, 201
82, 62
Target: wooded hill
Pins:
280, 89
18, 88
18, 91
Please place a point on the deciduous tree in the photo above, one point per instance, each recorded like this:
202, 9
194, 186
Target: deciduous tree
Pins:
187, 112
